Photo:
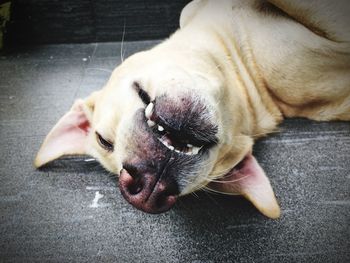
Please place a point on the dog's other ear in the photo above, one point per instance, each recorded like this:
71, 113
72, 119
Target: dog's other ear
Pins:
70, 134
249, 179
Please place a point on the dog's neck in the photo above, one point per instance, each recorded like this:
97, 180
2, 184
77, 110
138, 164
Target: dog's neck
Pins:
244, 78
220, 56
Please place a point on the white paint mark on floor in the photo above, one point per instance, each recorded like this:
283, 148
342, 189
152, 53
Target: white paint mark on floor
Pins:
292, 141
98, 196
330, 168
77, 219
287, 211
243, 226
103, 188
336, 202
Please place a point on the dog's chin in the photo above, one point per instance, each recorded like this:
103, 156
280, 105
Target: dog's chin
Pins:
128, 184
209, 181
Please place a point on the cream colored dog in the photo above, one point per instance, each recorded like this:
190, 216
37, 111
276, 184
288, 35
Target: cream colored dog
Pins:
184, 115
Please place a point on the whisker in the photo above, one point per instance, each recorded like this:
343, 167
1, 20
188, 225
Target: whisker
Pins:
218, 192
229, 181
122, 43
100, 69
195, 194
222, 172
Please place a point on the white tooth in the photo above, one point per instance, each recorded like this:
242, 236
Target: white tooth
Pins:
195, 150
160, 128
149, 110
189, 152
177, 151
170, 147
151, 123
189, 145
163, 141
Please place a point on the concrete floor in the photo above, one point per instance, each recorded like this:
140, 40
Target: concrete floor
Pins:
48, 216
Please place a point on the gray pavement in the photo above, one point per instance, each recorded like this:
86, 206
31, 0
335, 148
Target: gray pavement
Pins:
48, 215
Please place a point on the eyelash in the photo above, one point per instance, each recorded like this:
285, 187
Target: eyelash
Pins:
105, 144
142, 94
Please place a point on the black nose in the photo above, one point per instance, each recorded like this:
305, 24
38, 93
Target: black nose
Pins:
146, 192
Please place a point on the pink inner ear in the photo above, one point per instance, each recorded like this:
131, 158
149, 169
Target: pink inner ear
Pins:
67, 137
84, 126
249, 179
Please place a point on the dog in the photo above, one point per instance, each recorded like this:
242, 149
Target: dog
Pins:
184, 115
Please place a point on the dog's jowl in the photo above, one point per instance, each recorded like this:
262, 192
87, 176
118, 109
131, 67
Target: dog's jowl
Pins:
184, 115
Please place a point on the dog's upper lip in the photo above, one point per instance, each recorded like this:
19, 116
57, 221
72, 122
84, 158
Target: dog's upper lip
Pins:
170, 136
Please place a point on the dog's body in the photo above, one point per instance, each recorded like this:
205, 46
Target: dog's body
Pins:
299, 63
184, 115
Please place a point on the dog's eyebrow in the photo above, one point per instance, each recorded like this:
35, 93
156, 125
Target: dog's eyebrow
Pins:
146, 99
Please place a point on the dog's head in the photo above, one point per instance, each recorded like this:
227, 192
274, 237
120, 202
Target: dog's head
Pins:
168, 126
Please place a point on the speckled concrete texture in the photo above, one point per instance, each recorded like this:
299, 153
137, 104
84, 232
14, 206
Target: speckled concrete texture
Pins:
48, 215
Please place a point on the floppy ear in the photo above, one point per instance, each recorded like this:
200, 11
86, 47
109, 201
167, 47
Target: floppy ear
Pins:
69, 135
249, 179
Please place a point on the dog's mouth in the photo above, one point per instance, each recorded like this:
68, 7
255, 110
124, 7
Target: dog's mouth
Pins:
181, 132
175, 138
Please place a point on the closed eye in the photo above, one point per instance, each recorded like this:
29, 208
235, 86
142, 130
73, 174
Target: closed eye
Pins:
105, 144
146, 99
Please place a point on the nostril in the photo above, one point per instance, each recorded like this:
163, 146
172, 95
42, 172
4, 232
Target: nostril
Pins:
166, 196
132, 184
165, 201
136, 187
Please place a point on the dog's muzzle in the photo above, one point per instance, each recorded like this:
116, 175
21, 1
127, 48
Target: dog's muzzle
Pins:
169, 142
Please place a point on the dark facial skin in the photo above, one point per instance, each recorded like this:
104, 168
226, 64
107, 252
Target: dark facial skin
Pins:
153, 175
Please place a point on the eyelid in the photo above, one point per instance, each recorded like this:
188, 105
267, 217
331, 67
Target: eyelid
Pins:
146, 99
104, 143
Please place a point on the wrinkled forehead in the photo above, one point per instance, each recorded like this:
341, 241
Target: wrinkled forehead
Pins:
159, 72
157, 77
